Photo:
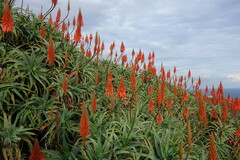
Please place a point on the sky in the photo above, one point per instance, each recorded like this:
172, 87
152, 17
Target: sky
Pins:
200, 35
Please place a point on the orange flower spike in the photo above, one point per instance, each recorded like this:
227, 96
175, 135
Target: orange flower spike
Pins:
77, 34
212, 155
50, 19
150, 90
174, 70
149, 56
54, 2
189, 74
36, 153
122, 48
124, 59
67, 36
66, 58
94, 102
121, 90
133, 81
206, 89
102, 46
51, 55
74, 21
7, 20
169, 74
199, 81
214, 113
68, 7
133, 53
42, 31
224, 112
58, 15
41, 15
151, 105
90, 36
144, 66
86, 39
96, 78
201, 109
186, 112
80, 18
159, 118
169, 103
189, 134
109, 88
238, 132
220, 89
185, 97
64, 84
84, 128
63, 27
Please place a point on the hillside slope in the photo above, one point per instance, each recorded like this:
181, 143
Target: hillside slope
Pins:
79, 105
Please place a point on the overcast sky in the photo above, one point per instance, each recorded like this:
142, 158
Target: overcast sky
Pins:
200, 35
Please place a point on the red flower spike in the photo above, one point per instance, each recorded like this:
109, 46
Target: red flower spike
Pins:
189, 74
185, 97
225, 112
174, 70
201, 109
74, 21
63, 27
64, 84
94, 102
102, 46
42, 31
169, 103
7, 20
80, 18
150, 90
90, 36
169, 74
186, 112
124, 58
199, 81
149, 56
151, 105
84, 128
67, 36
133, 53
214, 113
40, 16
109, 88
51, 55
133, 81
122, 48
36, 153
58, 15
153, 55
159, 118
77, 34
121, 90
206, 90
50, 19
238, 132
97, 78
212, 155
68, 7
54, 2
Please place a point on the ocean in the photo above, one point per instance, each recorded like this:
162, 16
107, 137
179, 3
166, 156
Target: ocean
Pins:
234, 92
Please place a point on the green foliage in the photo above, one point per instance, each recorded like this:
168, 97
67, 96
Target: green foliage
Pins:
34, 105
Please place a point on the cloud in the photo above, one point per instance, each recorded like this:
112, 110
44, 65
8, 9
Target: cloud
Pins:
233, 78
201, 35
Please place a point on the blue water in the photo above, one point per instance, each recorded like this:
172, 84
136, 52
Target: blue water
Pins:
234, 92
